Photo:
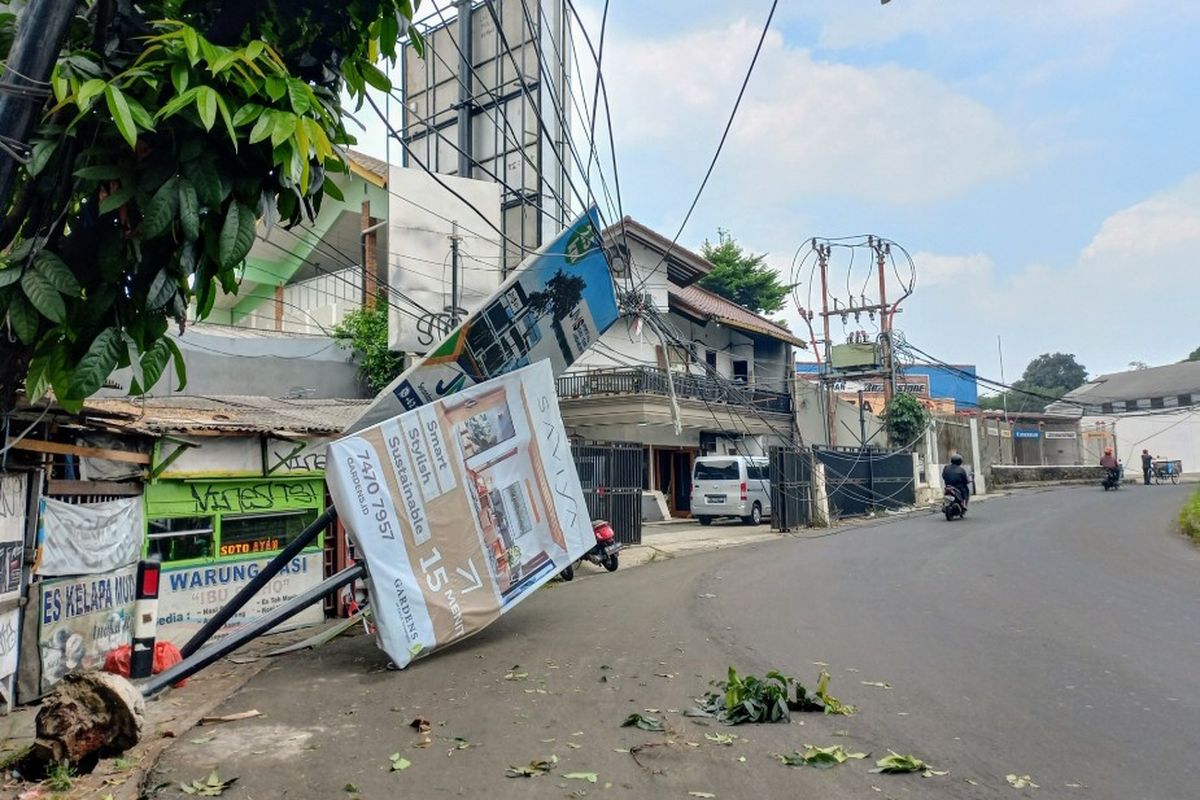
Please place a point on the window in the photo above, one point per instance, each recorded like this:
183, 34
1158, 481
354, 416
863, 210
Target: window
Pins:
717, 471
756, 472
741, 371
1156, 402
1106, 408
710, 358
1185, 399
181, 538
262, 533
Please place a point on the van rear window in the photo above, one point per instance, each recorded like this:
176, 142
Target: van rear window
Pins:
717, 471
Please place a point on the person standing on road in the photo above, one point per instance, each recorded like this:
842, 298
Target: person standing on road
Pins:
1147, 466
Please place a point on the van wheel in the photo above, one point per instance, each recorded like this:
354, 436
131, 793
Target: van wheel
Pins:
568, 573
755, 517
704, 520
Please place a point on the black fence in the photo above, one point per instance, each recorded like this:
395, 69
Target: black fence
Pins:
860, 480
790, 470
611, 476
647, 380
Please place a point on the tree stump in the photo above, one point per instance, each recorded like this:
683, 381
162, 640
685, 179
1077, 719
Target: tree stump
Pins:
85, 717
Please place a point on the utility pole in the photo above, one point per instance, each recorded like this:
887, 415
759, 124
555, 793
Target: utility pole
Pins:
862, 447
465, 97
823, 252
1003, 394
882, 251
41, 29
454, 240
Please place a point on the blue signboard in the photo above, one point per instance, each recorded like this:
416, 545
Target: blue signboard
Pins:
1018, 434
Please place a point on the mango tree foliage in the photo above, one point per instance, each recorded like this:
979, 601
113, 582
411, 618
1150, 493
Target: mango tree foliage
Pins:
173, 129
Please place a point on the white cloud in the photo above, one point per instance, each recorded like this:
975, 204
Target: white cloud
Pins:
1129, 295
881, 134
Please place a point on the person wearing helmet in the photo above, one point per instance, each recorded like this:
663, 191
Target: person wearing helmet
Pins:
1108, 460
956, 477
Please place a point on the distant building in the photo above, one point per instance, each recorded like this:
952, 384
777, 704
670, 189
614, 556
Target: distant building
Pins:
943, 389
1156, 409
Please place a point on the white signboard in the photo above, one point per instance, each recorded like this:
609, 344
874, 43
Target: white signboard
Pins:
420, 262
188, 597
12, 535
91, 538
9, 636
82, 619
1060, 435
461, 508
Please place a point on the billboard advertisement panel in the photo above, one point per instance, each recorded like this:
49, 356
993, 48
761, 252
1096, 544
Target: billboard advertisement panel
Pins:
553, 307
461, 508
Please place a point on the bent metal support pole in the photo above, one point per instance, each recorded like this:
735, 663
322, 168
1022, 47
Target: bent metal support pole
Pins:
198, 661
269, 571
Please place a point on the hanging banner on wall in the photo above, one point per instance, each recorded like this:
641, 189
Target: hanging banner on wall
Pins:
81, 619
495, 454
90, 538
553, 307
189, 596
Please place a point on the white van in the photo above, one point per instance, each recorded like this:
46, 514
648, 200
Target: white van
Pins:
731, 486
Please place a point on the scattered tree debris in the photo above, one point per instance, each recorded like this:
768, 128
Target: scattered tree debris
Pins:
820, 757
1021, 781
753, 699
399, 762
832, 704
879, 684
721, 738
533, 768
420, 725
895, 763
590, 777
701, 794
87, 716
213, 787
646, 723
231, 717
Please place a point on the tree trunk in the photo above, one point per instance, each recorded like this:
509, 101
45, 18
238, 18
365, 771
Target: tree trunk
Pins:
86, 716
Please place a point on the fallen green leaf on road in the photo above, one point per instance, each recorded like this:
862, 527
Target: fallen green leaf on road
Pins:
701, 794
896, 763
832, 704
644, 722
213, 787
748, 698
1020, 781
202, 739
820, 757
721, 738
399, 762
350, 788
516, 676
533, 768
880, 684
590, 777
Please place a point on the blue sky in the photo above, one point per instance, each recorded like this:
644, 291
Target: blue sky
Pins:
1039, 160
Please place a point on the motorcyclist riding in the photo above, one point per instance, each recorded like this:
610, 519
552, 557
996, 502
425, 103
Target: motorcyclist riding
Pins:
1111, 466
955, 476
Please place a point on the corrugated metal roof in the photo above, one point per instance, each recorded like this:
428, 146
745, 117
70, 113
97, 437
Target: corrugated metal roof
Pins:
684, 267
702, 303
224, 414
376, 170
1140, 384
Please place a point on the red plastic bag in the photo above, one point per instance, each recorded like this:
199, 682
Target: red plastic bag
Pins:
166, 655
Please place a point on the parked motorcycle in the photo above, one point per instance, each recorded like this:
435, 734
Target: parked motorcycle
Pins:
603, 552
1112, 480
952, 504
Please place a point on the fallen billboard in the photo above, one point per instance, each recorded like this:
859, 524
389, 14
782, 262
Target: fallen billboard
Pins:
461, 508
553, 307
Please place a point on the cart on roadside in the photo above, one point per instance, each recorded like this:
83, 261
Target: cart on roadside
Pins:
1166, 470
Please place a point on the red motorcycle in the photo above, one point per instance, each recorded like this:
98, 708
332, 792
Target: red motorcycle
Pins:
603, 552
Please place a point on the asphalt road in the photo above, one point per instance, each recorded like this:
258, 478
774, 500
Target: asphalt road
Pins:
1055, 635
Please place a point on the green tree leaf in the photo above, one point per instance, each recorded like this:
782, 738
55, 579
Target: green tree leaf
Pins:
24, 319
139, 113
224, 109
177, 357
135, 363
189, 210
299, 95
97, 363
373, 76
118, 106
207, 181
43, 149
206, 106
277, 87
285, 126
247, 114
178, 103
263, 128
160, 212
44, 297
117, 199
37, 380
154, 361
88, 92
56, 271
162, 288
9, 274
742, 277
180, 76
100, 172
237, 235
332, 190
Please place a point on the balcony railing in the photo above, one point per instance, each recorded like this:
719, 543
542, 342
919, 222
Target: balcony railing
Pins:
647, 380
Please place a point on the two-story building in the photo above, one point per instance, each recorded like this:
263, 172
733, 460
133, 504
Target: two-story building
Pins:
729, 370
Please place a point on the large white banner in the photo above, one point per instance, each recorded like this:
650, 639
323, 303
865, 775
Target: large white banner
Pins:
419, 260
81, 619
91, 538
461, 508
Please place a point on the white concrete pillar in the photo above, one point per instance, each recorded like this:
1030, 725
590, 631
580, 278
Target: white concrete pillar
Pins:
977, 458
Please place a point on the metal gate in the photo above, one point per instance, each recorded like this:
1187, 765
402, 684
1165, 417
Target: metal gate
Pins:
790, 472
611, 476
859, 480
